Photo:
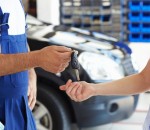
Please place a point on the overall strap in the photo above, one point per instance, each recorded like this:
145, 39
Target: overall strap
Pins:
1, 15
4, 23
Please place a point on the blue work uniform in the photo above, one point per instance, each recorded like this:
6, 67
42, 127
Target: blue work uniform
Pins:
14, 110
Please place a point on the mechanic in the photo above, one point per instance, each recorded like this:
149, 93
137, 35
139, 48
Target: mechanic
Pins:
17, 67
130, 85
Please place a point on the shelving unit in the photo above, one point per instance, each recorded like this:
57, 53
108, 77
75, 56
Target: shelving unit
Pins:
94, 15
135, 20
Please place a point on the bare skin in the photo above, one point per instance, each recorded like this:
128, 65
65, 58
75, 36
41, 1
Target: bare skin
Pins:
53, 59
32, 89
134, 84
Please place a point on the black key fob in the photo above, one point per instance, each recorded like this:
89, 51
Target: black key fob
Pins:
74, 60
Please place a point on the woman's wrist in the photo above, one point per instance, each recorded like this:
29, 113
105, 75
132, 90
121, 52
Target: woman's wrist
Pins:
94, 89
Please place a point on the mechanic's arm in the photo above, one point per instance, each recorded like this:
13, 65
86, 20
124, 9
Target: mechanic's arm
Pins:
53, 58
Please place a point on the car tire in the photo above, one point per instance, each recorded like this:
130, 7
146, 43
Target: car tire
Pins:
57, 116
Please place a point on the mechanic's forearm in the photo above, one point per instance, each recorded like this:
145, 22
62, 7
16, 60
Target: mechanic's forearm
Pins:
13, 63
32, 73
127, 86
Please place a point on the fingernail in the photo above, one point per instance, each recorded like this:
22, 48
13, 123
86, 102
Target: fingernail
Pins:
69, 49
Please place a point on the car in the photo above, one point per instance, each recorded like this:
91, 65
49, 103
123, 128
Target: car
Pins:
102, 59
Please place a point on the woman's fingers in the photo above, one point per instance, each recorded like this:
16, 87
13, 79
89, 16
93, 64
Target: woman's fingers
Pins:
65, 87
68, 83
69, 88
73, 92
79, 90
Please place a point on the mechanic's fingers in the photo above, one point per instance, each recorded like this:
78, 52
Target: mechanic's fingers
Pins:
62, 48
66, 65
32, 105
29, 90
63, 67
30, 97
66, 56
67, 59
56, 68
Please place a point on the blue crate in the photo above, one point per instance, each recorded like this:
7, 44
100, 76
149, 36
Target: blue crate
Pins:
146, 16
76, 25
105, 18
86, 25
135, 5
145, 27
134, 37
135, 16
146, 5
145, 37
134, 27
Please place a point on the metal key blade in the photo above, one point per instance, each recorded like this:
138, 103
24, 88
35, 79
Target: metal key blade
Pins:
75, 64
77, 74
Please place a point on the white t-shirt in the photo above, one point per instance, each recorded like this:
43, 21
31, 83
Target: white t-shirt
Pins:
17, 17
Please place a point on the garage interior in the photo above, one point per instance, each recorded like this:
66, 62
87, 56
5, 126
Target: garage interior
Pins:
111, 22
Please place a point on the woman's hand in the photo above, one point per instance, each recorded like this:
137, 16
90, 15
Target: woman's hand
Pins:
78, 91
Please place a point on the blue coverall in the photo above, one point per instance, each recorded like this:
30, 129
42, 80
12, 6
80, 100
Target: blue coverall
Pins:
14, 110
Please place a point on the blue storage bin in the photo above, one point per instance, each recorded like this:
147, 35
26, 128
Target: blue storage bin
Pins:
134, 27
145, 37
134, 37
146, 5
145, 27
105, 18
145, 16
76, 25
135, 5
135, 16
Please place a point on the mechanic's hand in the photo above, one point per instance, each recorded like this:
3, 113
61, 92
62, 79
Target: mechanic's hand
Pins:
55, 58
32, 89
78, 91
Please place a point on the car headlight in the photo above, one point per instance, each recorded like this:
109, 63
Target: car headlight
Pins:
100, 67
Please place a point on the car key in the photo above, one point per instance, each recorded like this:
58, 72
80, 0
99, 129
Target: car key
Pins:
75, 64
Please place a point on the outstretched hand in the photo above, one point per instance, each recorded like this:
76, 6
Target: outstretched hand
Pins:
78, 91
